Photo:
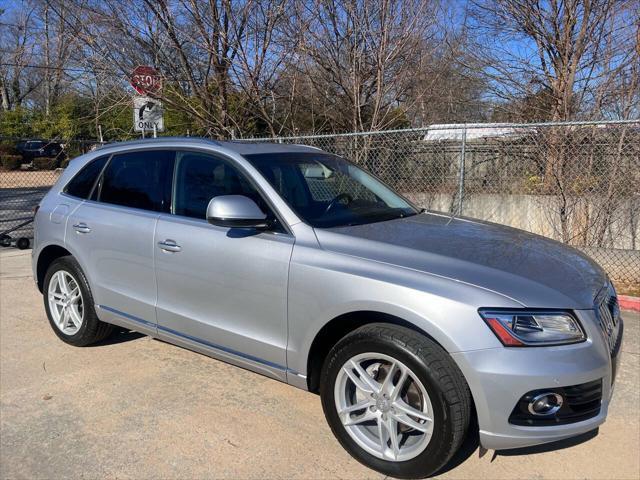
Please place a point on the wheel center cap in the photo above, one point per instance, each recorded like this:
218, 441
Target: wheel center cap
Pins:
383, 404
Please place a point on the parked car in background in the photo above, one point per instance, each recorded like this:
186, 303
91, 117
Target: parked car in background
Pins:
31, 149
299, 265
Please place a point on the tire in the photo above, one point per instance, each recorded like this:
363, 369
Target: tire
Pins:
91, 329
430, 370
5, 240
22, 243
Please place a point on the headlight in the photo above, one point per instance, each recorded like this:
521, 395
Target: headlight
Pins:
522, 328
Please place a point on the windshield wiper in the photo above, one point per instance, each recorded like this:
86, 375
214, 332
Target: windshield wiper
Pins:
376, 217
413, 214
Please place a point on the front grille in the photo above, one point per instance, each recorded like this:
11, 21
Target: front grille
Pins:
608, 313
580, 402
609, 317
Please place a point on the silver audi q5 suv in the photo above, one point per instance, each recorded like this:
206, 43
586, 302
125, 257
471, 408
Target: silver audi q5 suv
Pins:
299, 265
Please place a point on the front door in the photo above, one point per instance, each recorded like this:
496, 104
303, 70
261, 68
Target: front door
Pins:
221, 290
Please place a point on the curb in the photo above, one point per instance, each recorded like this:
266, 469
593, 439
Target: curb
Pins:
629, 303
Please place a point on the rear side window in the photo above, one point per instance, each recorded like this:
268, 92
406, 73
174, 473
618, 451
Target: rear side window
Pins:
139, 180
82, 184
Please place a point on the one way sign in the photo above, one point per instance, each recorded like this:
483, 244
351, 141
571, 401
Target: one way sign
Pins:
147, 115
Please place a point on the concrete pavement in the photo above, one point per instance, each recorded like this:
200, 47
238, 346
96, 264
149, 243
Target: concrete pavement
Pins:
134, 407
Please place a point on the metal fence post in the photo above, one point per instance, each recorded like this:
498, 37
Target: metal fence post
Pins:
461, 170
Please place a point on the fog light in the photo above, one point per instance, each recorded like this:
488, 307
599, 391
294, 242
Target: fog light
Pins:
545, 404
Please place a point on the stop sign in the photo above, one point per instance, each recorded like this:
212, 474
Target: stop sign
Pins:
146, 80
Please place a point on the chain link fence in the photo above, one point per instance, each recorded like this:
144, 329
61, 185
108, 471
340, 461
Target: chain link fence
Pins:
578, 182
28, 168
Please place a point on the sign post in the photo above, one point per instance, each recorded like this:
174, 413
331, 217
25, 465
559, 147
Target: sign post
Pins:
147, 115
147, 111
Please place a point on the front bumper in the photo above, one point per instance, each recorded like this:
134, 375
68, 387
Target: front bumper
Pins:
499, 377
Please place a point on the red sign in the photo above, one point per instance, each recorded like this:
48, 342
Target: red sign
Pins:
146, 80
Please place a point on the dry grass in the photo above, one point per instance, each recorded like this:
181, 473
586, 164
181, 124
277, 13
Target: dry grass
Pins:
628, 289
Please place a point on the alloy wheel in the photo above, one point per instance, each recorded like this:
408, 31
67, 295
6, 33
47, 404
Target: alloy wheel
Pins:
65, 302
384, 407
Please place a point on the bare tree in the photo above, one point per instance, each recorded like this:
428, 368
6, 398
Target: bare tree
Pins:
532, 46
557, 47
273, 66
362, 53
263, 51
552, 52
561, 60
57, 44
192, 43
17, 55
618, 95
446, 84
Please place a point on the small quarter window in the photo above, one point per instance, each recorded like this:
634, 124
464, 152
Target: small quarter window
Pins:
82, 184
139, 179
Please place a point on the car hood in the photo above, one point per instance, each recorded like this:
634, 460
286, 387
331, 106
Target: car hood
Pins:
532, 270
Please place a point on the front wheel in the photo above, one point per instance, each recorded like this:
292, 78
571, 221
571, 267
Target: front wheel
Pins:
395, 400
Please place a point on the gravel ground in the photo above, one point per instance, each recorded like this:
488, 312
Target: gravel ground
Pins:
134, 407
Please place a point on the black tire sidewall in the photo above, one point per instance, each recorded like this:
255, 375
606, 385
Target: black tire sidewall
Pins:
82, 336
437, 451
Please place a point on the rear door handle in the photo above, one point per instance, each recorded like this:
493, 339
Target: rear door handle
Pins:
82, 227
169, 246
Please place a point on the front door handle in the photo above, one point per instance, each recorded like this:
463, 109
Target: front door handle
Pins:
82, 227
169, 246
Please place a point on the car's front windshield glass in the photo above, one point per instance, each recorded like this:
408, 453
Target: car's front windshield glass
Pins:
328, 191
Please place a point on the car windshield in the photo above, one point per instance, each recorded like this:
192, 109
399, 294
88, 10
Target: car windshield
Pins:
328, 191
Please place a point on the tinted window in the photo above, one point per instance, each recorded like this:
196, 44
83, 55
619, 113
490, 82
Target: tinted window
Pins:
200, 177
80, 186
139, 180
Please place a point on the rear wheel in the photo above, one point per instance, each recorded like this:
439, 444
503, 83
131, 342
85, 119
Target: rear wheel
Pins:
69, 304
395, 400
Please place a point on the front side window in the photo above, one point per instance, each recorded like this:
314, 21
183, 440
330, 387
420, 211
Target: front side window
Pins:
139, 179
201, 177
81, 185
328, 191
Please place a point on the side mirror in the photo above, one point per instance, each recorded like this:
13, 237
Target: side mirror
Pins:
236, 211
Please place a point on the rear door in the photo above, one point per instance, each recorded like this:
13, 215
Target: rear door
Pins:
111, 234
219, 289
